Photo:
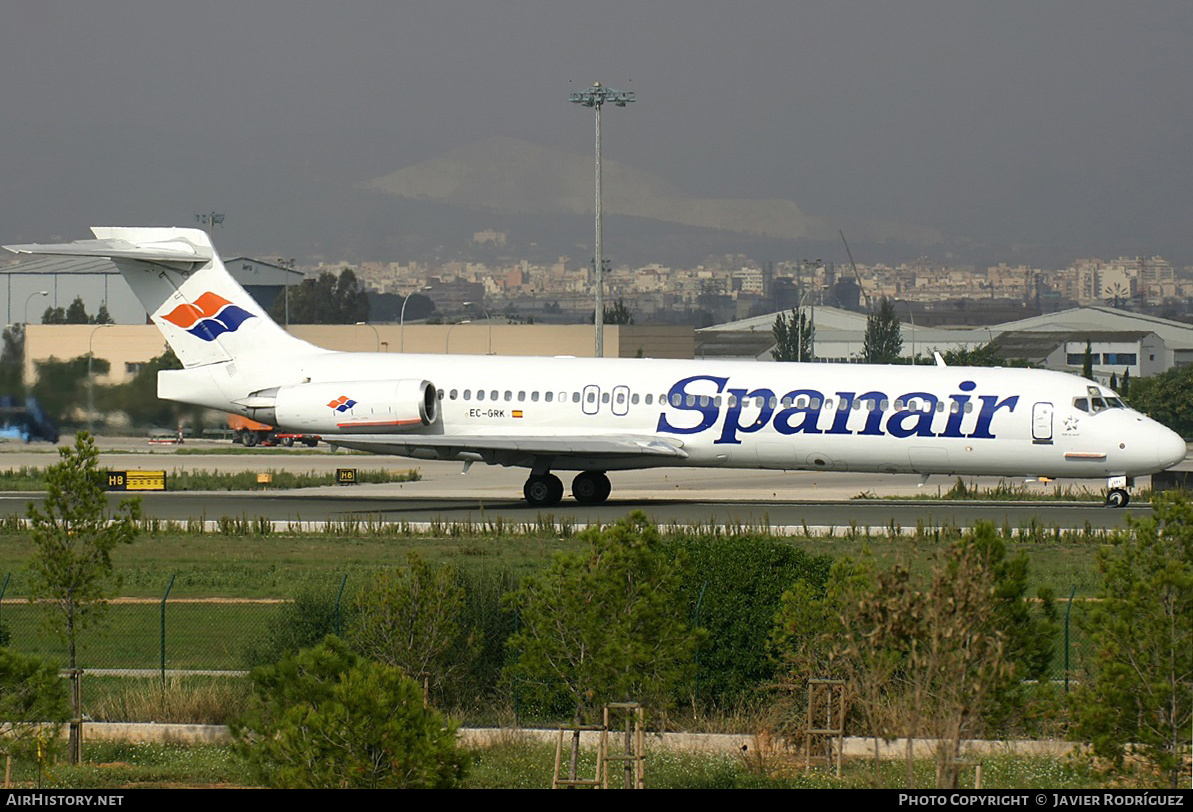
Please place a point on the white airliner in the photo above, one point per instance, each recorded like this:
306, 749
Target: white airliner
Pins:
599, 415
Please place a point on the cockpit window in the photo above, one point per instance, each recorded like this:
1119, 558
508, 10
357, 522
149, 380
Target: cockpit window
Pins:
1097, 402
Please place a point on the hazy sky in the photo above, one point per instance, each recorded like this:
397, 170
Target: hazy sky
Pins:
1067, 124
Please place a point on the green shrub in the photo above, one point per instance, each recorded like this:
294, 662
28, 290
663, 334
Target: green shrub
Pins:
302, 623
735, 584
326, 718
33, 705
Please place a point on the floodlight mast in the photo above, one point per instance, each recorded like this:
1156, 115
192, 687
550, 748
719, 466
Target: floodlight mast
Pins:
595, 97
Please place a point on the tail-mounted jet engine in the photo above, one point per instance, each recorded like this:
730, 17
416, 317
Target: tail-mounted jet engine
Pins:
367, 407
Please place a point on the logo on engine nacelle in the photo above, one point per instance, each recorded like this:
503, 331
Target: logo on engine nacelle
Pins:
342, 404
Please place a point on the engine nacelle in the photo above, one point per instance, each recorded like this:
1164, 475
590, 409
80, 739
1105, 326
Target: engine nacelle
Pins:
361, 407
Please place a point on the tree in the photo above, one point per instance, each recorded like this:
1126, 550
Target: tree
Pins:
12, 362
33, 706
73, 535
952, 651
326, 299
76, 313
605, 626
616, 313
795, 337
883, 342
1087, 363
1030, 626
138, 399
941, 659
385, 307
1125, 383
412, 619
1167, 398
1140, 698
61, 385
326, 718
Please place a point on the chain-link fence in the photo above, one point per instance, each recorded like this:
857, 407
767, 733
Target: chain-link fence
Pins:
184, 633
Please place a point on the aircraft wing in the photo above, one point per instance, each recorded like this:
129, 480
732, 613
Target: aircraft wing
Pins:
448, 446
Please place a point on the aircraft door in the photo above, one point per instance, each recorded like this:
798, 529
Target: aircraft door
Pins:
1041, 423
590, 399
621, 401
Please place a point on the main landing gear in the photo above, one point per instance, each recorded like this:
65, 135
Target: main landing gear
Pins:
546, 490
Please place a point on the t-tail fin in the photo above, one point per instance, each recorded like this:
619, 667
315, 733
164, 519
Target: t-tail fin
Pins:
204, 314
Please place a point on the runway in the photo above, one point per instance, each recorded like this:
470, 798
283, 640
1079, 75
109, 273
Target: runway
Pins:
790, 500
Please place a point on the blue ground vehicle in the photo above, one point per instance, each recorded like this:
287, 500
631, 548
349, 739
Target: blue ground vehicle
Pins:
23, 418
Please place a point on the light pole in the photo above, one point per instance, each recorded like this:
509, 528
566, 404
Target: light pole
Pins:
210, 220
402, 320
447, 339
30, 296
595, 97
376, 334
488, 321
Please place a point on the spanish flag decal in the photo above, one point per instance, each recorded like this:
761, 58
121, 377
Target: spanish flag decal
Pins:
517, 412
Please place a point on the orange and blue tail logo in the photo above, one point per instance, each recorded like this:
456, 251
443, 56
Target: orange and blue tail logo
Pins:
210, 316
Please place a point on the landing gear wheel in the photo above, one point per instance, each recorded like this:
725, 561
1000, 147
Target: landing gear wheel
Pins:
1117, 498
250, 439
543, 490
591, 487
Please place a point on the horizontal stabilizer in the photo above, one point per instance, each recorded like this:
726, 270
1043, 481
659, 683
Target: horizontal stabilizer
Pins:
171, 251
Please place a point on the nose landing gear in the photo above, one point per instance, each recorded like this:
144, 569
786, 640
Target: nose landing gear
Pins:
1118, 496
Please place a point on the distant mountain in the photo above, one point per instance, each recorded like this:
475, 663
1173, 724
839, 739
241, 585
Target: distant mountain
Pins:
511, 176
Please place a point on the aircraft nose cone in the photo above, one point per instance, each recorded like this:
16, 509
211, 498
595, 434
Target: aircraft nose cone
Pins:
1170, 449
